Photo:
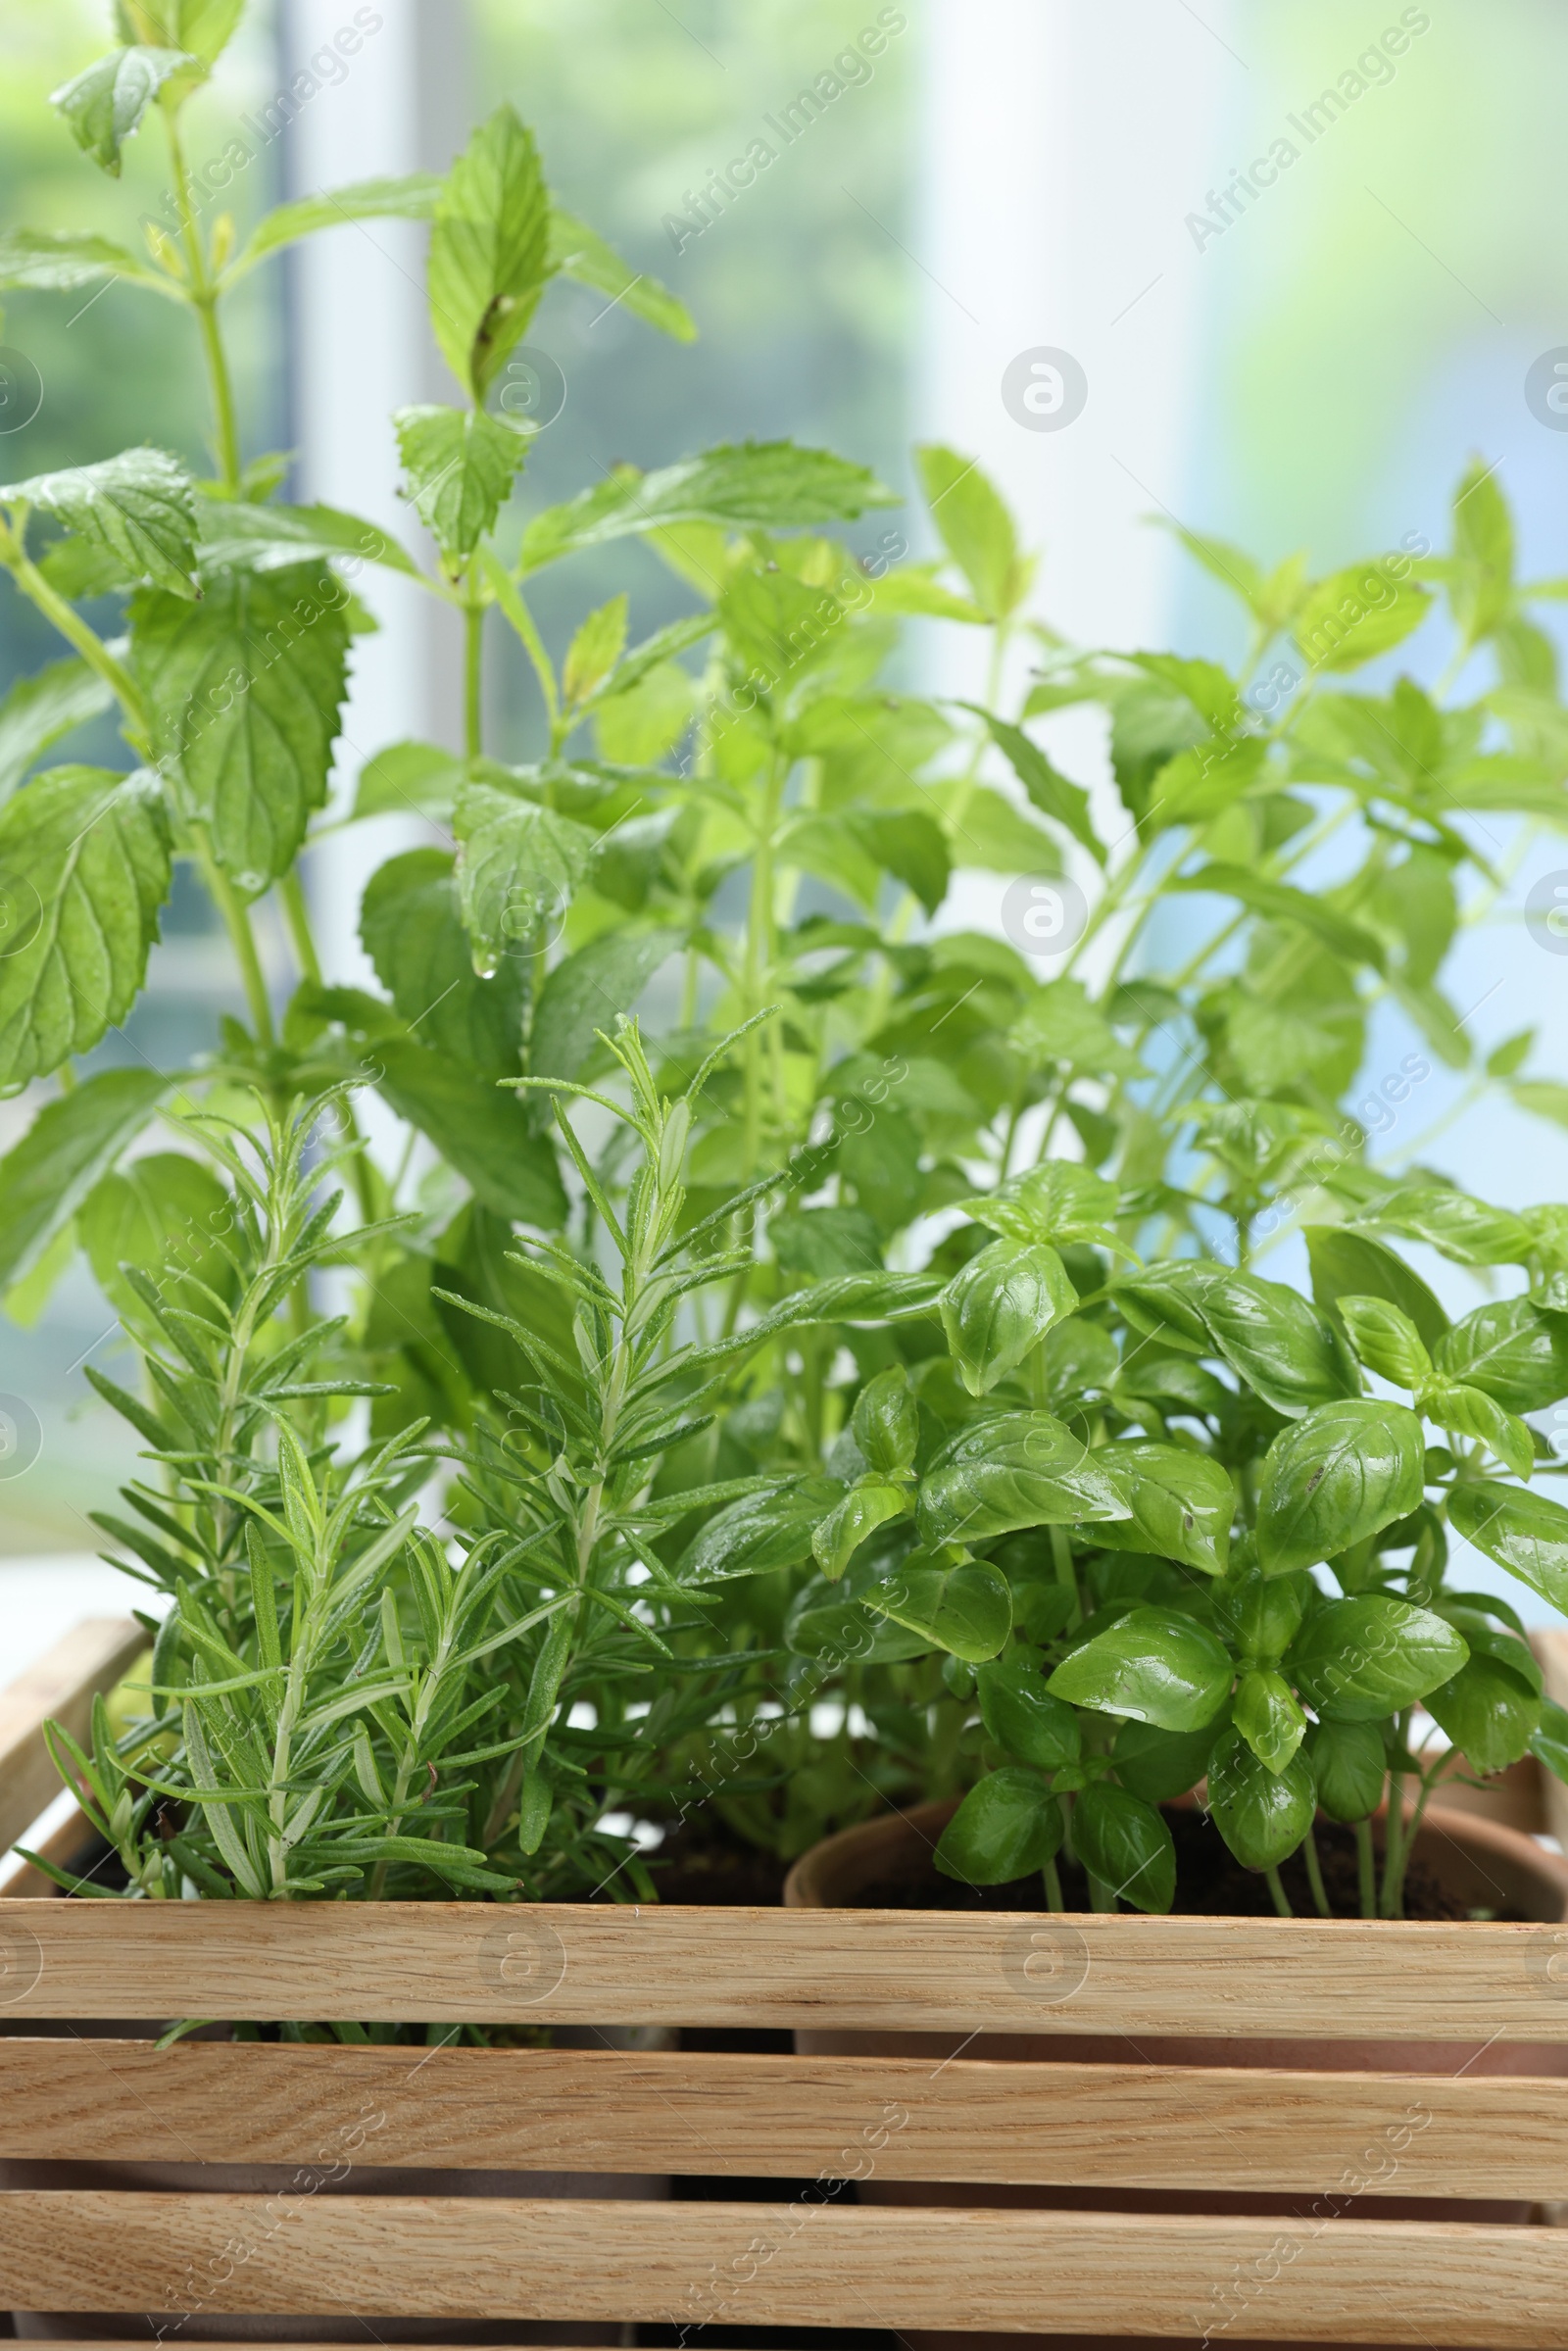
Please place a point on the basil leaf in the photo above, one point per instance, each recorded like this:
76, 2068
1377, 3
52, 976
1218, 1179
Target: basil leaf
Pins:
1156, 1764
1023, 1717
489, 257
1348, 1764
1007, 1826
1470, 1412
1511, 1351
998, 1306
1182, 1503
84, 864
1152, 1664
967, 1610
1485, 1713
1350, 1263
1262, 1814
246, 688
71, 1144
1017, 1469
1359, 1660
1268, 1718
460, 464
885, 1422
138, 508
1386, 1340
863, 1509
1549, 1741
1262, 1613
1343, 1473
760, 1533
1525, 1533
412, 929
1464, 1229
1126, 1844
1271, 1337
1057, 1200
829, 1623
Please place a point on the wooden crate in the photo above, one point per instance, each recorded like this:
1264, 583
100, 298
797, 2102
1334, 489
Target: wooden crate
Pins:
812, 2258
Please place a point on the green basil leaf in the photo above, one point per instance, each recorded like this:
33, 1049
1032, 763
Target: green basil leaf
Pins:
1022, 1716
489, 256
1262, 1613
71, 1144
1485, 1713
1126, 1844
1346, 1262
84, 866
411, 926
773, 483
1266, 1715
139, 509
1262, 1814
885, 1422
1360, 1659
1182, 1503
578, 253
1511, 1351
1271, 1337
39, 710
863, 1509
967, 1610
1157, 1764
1470, 1412
1015, 1469
1549, 1741
1465, 1230
830, 1624
587, 990
104, 103
246, 688
460, 464
1007, 1826
1349, 1765
1386, 1340
760, 1533
1343, 1473
1154, 1664
998, 1308
1525, 1533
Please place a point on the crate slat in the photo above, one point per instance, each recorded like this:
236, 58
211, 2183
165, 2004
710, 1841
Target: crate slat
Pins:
92, 1656
602, 1964
802, 2264
1108, 2125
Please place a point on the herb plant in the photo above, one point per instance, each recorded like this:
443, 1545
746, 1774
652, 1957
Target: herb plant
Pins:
870, 1323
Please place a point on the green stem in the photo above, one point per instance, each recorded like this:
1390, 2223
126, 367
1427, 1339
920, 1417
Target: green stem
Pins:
1100, 1896
237, 923
971, 773
1066, 1576
1053, 1900
474, 679
1314, 1876
72, 626
1281, 1900
204, 301
297, 914
1366, 1865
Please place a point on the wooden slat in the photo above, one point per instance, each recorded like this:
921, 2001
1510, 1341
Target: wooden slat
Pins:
805, 2264
64, 1845
560, 2110
91, 1657
874, 1970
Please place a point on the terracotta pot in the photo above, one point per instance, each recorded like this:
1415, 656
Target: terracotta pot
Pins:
1478, 1862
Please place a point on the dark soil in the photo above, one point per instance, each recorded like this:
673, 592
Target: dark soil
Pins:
1209, 1882
702, 1860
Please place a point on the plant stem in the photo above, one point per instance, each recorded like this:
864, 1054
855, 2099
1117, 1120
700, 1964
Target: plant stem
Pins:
297, 914
1061, 1556
1366, 1869
1282, 1900
1053, 1900
474, 679
202, 298
72, 626
1100, 1896
237, 923
1314, 1875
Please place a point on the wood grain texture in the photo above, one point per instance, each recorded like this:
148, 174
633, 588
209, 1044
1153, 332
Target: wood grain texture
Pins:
803, 2265
603, 1964
1111, 2125
66, 1845
91, 1657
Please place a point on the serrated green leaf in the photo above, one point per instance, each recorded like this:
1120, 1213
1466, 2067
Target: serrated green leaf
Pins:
411, 926
104, 104
975, 528
518, 868
84, 864
409, 778
138, 508
1279, 901
1355, 614
57, 260
237, 535
588, 990
460, 465
410, 198
71, 1141
578, 253
39, 710
489, 250
1049, 791
771, 483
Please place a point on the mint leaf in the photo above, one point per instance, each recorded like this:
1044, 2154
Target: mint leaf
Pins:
412, 198
245, 690
517, 866
460, 465
84, 867
489, 250
586, 992
138, 508
771, 483
104, 106
39, 710
578, 253
72, 1143
56, 260
412, 929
